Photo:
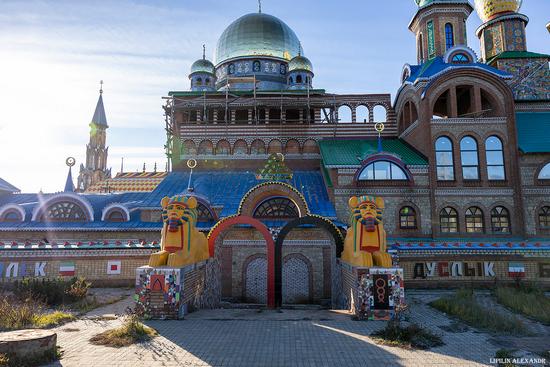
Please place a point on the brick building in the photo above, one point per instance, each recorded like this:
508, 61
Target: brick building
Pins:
462, 161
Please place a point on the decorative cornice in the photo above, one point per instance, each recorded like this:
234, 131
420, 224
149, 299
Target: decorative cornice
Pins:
501, 18
465, 191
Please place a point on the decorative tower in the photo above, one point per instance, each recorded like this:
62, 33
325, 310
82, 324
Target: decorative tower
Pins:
504, 46
300, 72
439, 25
203, 77
95, 169
503, 28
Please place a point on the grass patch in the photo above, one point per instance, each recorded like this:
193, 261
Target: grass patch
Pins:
131, 332
52, 319
53, 292
530, 302
16, 314
411, 336
463, 306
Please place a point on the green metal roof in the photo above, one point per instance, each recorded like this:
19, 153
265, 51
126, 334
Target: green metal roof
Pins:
517, 55
533, 131
353, 152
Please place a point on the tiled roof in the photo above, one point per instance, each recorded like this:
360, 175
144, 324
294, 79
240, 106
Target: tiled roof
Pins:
353, 152
129, 182
5, 186
533, 131
221, 189
517, 55
437, 65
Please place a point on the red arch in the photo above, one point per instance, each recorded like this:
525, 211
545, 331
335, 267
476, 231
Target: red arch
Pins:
243, 219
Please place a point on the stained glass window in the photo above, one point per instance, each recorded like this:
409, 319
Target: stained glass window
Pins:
460, 59
449, 36
11, 216
203, 214
276, 208
65, 211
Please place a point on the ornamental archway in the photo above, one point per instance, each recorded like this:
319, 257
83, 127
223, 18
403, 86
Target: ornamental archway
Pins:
310, 220
231, 221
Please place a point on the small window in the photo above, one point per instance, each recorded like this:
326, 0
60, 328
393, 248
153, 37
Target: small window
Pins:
382, 171
12, 216
299, 79
444, 159
277, 208
291, 81
469, 158
474, 220
544, 173
544, 217
407, 218
448, 220
460, 58
449, 36
203, 214
199, 81
495, 159
65, 211
500, 220
207, 81
115, 216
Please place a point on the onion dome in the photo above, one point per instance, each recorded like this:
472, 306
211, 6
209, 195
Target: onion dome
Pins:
257, 34
488, 9
202, 66
300, 63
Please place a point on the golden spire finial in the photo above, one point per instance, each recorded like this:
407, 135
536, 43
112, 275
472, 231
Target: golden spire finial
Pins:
101, 87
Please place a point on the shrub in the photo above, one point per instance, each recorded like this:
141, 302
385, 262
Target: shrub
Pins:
464, 306
528, 301
411, 336
53, 291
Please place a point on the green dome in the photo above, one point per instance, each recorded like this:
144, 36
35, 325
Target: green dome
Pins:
257, 34
202, 66
300, 63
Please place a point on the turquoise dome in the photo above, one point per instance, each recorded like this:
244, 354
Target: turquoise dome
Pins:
202, 66
257, 34
300, 63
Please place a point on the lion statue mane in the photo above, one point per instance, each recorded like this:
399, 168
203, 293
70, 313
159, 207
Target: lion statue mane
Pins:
365, 243
181, 243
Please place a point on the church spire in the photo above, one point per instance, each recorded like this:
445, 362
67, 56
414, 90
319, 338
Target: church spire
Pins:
69, 185
99, 118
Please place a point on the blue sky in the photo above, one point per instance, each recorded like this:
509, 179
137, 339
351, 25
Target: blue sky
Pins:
53, 54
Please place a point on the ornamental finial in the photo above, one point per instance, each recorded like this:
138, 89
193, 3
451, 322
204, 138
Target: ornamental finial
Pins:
259, 6
204, 52
101, 87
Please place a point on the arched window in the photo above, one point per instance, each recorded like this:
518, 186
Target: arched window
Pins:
421, 47
382, 170
474, 220
207, 81
299, 79
291, 81
449, 36
460, 58
64, 211
407, 218
495, 158
444, 159
11, 216
469, 158
544, 217
116, 216
448, 220
276, 208
203, 214
199, 81
500, 220
544, 173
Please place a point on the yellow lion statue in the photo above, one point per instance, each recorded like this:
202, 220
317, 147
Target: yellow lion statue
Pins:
181, 243
365, 244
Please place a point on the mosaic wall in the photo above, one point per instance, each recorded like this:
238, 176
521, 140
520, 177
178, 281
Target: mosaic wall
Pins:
295, 281
256, 281
531, 79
